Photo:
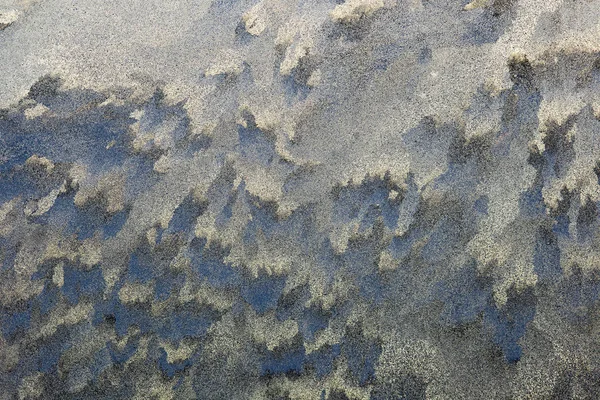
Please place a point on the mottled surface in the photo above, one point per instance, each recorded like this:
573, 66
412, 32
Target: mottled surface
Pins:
300, 199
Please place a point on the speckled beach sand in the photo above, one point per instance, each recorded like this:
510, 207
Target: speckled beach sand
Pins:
300, 199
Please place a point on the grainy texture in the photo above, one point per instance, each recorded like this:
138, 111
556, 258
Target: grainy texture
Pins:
299, 199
